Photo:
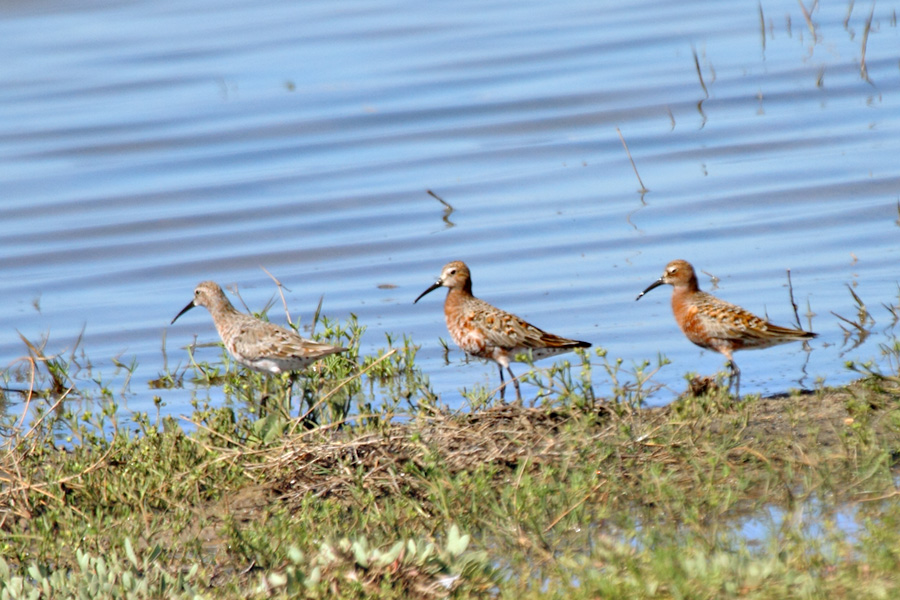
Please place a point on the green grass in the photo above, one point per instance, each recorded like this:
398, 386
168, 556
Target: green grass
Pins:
576, 496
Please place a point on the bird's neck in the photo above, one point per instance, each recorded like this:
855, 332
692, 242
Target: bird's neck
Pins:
456, 298
682, 293
221, 311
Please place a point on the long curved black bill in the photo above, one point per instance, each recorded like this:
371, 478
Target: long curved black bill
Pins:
655, 284
435, 286
183, 310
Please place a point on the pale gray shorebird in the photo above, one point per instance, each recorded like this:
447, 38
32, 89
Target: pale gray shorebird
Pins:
256, 344
716, 324
485, 331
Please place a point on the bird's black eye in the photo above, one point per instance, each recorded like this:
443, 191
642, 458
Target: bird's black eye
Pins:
452, 272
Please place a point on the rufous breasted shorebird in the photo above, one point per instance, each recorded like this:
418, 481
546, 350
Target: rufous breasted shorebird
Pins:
254, 343
718, 325
485, 331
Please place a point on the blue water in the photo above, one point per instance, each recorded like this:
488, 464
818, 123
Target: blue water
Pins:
147, 146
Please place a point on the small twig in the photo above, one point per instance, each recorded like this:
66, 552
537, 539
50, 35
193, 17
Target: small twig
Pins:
165, 354
234, 290
448, 209
30, 360
809, 23
880, 498
439, 199
38, 353
793, 304
49, 411
586, 497
859, 327
862, 311
713, 280
752, 452
213, 432
863, 70
699, 73
338, 387
280, 287
849, 14
633, 166
762, 26
316, 314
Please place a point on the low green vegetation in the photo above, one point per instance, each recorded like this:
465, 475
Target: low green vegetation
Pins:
336, 496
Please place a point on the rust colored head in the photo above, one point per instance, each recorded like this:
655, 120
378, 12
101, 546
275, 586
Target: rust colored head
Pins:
454, 275
679, 274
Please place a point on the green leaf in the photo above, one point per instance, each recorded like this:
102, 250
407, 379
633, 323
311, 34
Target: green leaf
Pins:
361, 552
456, 543
129, 552
391, 555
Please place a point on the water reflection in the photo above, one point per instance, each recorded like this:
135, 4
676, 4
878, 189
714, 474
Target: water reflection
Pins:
148, 147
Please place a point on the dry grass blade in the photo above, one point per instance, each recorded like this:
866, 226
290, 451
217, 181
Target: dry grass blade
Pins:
281, 288
894, 310
643, 189
38, 355
881, 497
328, 462
699, 72
566, 512
762, 26
808, 17
862, 311
855, 325
49, 411
338, 387
793, 303
863, 70
316, 315
448, 209
231, 440
30, 393
849, 14
862, 325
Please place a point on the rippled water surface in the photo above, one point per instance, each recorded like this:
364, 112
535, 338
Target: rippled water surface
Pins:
145, 146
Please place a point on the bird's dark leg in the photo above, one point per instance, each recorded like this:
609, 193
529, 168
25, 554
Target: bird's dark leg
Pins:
516, 383
502, 384
264, 399
736, 377
289, 393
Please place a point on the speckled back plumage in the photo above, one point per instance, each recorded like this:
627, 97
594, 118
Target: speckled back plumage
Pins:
711, 322
716, 324
255, 343
485, 331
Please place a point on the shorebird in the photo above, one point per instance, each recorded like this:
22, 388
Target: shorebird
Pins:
485, 331
718, 325
256, 344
